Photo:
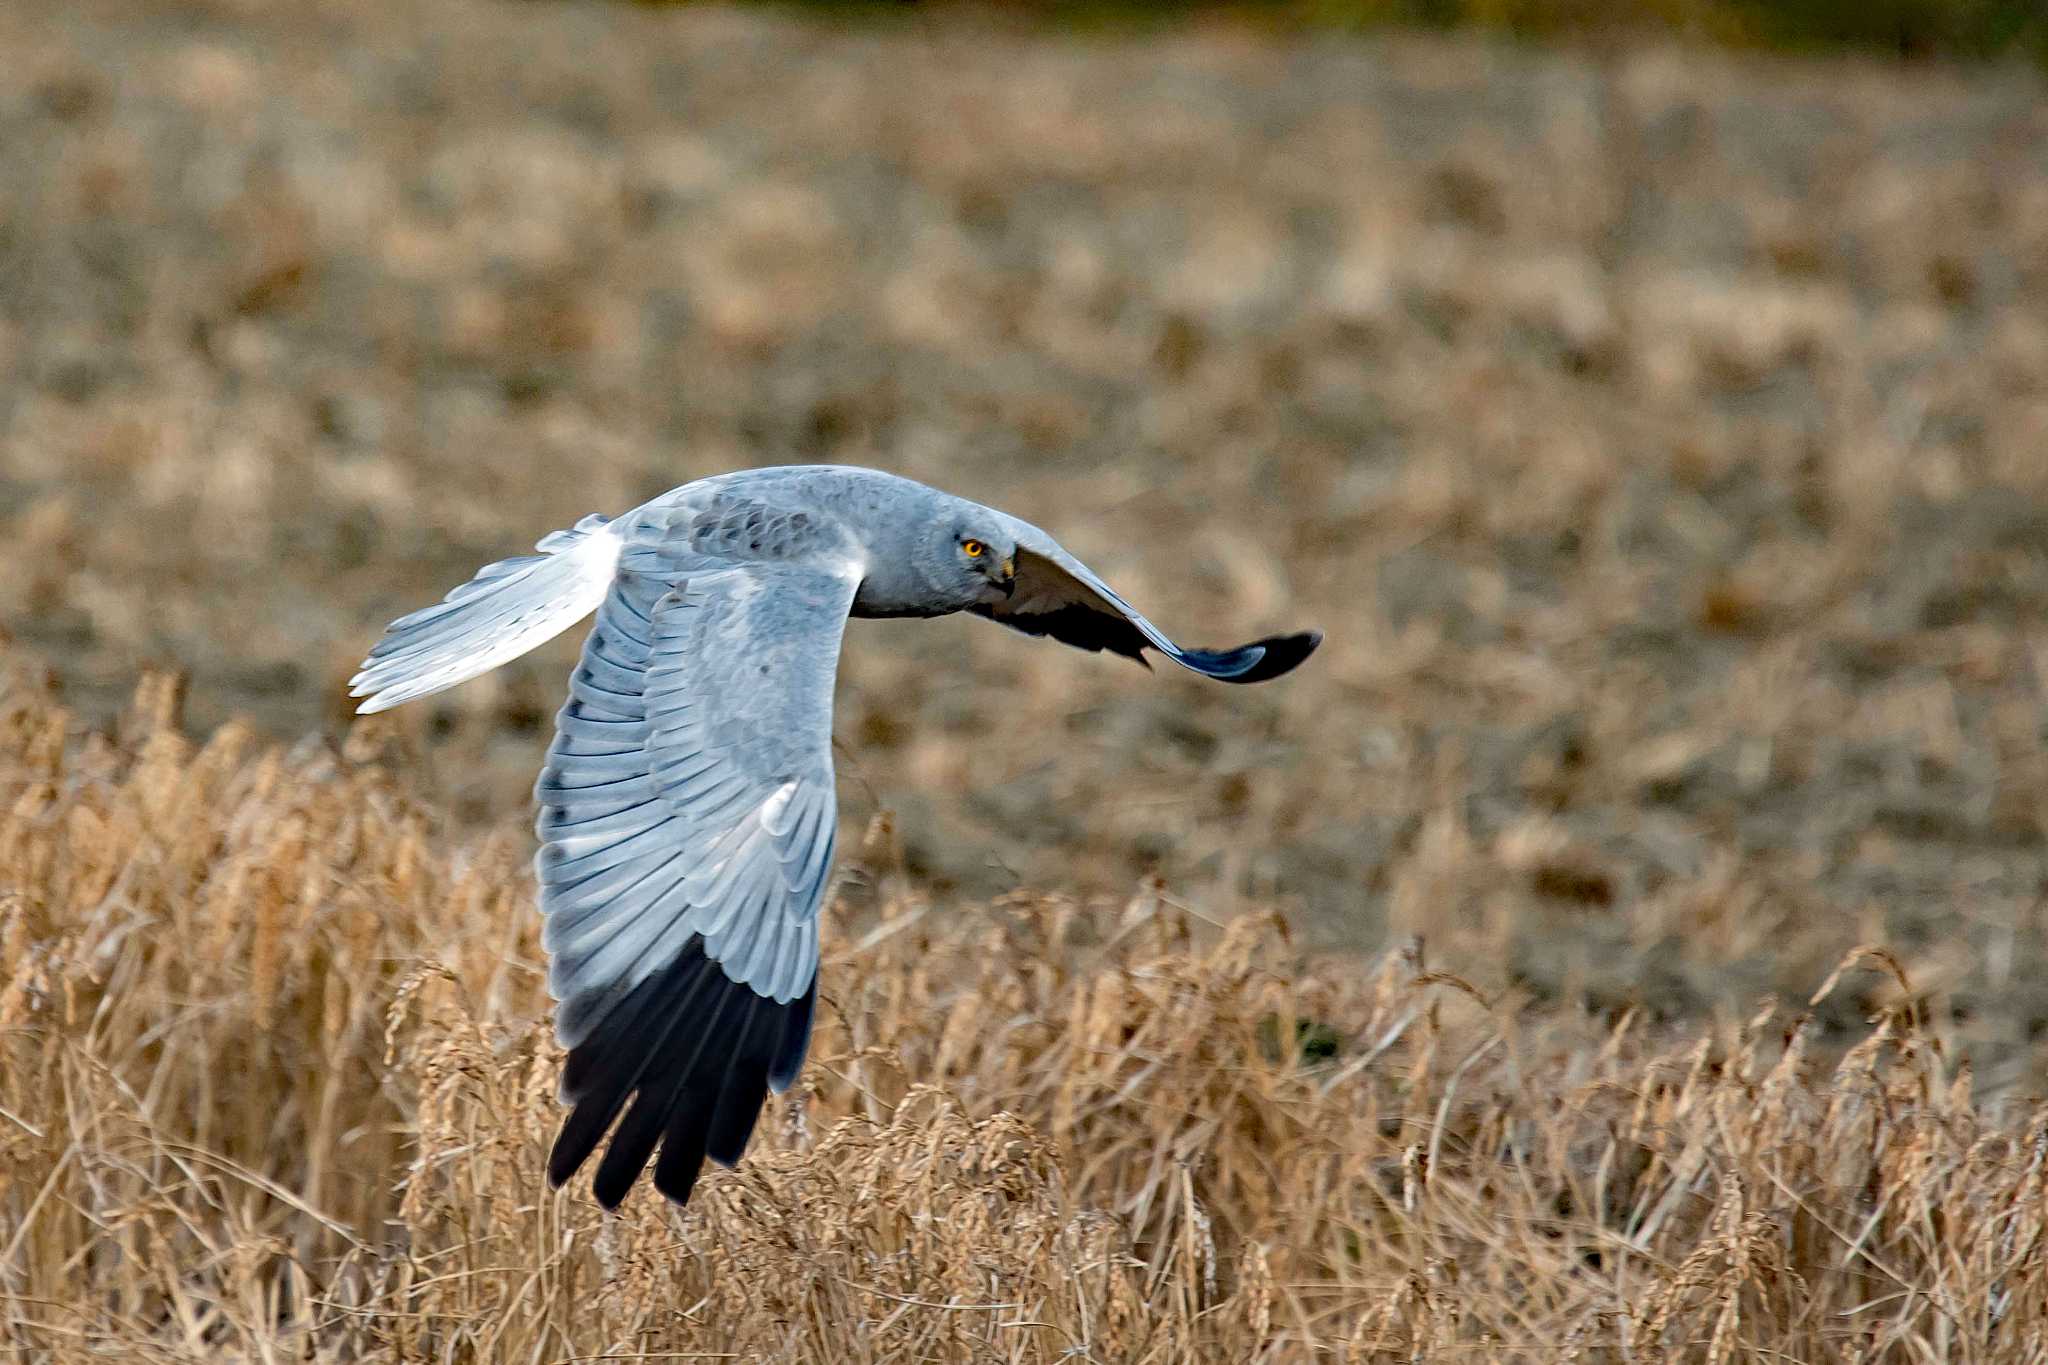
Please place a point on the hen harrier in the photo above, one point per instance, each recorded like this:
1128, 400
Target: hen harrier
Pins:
687, 813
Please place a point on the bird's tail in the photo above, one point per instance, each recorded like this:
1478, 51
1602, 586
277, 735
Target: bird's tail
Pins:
508, 608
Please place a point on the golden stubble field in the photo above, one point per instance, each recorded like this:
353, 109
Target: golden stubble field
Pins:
276, 1083
1660, 437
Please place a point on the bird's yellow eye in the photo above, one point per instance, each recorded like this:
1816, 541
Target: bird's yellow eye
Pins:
973, 549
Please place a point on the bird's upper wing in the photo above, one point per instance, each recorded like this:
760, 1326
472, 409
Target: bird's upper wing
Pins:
1057, 595
687, 824
507, 609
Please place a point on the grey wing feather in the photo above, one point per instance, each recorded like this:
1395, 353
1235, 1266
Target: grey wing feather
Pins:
687, 820
507, 609
1057, 595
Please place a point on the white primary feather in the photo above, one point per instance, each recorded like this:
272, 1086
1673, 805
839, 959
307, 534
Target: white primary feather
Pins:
510, 607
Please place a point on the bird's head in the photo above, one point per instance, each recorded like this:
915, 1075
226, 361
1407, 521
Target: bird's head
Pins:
973, 561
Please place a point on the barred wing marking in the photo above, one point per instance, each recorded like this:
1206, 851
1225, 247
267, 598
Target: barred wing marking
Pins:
687, 822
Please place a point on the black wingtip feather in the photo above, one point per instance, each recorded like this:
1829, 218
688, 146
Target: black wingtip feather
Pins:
696, 1053
1257, 661
738, 1102
796, 1039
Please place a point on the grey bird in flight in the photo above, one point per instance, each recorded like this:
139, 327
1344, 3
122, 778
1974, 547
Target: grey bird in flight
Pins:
687, 811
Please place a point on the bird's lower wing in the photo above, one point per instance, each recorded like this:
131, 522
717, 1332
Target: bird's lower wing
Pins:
1056, 595
687, 824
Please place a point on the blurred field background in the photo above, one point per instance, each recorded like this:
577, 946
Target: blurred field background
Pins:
1659, 433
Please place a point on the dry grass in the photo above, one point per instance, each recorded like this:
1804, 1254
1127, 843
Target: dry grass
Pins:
275, 1084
